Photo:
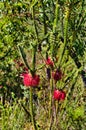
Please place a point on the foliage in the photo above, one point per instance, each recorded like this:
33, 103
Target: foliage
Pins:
30, 33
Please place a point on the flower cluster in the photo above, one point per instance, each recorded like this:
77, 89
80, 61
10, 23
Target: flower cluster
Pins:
57, 75
33, 80
30, 80
59, 95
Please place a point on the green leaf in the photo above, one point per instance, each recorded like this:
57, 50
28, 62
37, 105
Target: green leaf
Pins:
1, 5
78, 112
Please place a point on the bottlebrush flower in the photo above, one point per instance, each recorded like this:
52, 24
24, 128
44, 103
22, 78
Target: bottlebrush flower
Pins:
63, 95
59, 95
57, 75
30, 80
49, 62
35, 80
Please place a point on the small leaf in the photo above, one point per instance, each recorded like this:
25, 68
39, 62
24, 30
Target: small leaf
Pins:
78, 112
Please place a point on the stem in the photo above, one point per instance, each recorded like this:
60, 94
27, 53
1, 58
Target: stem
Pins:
50, 105
33, 15
3, 99
23, 55
34, 59
31, 89
66, 19
62, 30
45, 25
52, 41
52, 36
51, 87
44, 18
66, 27
31, 109
56, 17
56, 111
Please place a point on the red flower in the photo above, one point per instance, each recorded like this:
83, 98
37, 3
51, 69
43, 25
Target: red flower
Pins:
35, 80
30, 80
59, 95
63, 95
27, 78
49, 62
57, 75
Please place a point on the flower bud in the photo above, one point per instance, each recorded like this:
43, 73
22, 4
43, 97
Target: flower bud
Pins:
49, 62
48, 73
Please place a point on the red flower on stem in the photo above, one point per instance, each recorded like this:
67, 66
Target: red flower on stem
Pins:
30, 80
49, 62
59, 95
63, 95
57, 75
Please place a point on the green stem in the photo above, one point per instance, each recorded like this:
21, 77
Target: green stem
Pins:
31, 89
31, 109
56, 112
52, 41
23, 55
44, 18
62, 28
45, 25
53, 36
66, 27
56, 18
50, 106
66, 19
34, 59
50, 103
33, 15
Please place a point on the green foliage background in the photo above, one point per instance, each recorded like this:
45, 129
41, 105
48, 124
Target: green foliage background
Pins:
58, 27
